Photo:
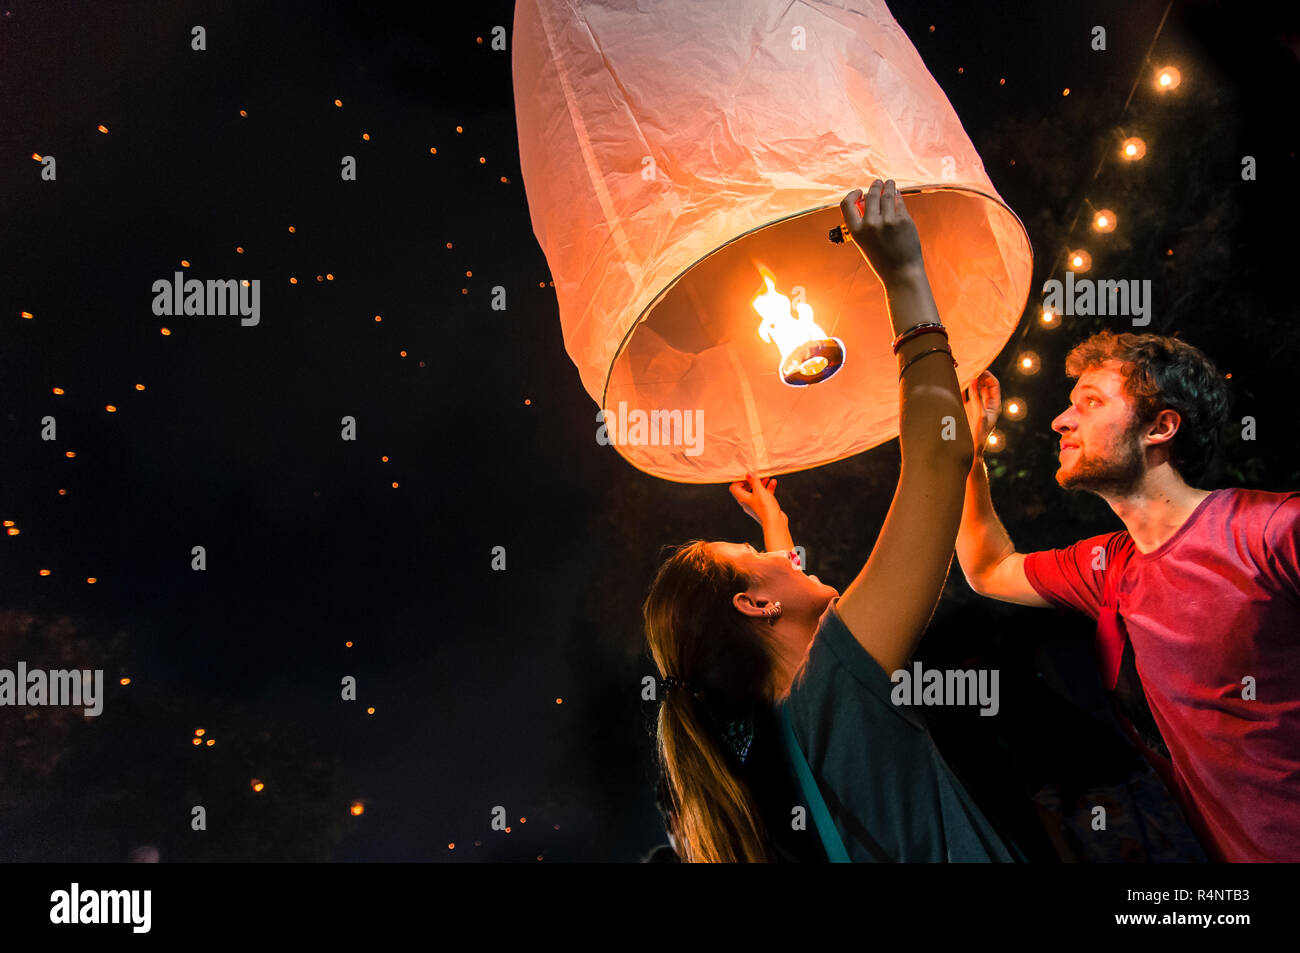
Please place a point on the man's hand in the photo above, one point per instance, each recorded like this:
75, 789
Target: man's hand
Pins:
983, 407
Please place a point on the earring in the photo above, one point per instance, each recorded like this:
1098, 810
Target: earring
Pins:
772, 611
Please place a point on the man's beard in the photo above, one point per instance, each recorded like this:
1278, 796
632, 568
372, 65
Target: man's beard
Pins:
1116, 477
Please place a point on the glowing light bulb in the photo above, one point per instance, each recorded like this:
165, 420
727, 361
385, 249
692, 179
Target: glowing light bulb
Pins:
1104, 221
1168, 78
1015, 408
1027, 363
1133, 149
1079, 260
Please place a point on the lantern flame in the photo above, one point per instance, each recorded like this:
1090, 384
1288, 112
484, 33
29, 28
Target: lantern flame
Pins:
808, 355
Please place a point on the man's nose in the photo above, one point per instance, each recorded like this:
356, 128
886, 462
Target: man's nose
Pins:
1063, 422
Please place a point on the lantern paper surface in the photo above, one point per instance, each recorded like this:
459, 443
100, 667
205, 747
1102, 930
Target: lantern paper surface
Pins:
675, 151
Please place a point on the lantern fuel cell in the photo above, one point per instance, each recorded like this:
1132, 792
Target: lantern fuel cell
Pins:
661, 213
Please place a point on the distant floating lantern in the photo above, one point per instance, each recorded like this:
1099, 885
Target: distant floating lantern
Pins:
1049, 318
1133, 148
662, 212
1104, 221
358, 809
1078, 261
995, 443
256, 784
1168, 78
1027, 363
1015, 408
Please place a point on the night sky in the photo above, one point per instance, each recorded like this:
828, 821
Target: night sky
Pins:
521, 688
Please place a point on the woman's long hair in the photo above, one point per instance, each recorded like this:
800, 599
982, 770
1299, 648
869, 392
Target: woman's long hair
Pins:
696, 636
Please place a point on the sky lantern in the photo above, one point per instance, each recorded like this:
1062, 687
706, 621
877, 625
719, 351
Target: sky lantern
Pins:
684, 165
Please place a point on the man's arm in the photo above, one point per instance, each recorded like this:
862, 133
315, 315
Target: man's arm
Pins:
987, 556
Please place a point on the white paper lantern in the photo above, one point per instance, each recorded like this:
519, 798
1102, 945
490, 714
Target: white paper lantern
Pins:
676, 152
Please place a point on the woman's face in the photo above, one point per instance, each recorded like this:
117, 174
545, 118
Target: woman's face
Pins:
803, 597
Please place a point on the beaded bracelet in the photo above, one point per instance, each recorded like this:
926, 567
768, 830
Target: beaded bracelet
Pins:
917, 329
917, 357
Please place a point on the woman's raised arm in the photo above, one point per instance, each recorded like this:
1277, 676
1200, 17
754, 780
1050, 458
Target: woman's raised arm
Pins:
888, 606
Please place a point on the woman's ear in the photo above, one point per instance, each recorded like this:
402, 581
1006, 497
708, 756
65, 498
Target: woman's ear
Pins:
745, 603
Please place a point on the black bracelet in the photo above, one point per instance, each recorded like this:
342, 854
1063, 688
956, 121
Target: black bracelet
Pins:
917, 357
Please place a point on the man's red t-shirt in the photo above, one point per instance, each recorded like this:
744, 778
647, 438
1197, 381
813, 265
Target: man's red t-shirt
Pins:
1218, 603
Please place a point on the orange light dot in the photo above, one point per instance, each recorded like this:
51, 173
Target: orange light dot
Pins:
358, 809
961, 70
36, 156
70, 454
559, 701
197, 741
1104, 220
210, 742
365, 136
320, 277
111, 409
459, 129
370, 711
507, 830
469, 274
1079, 260
338, 102
9, 522
199, 731
58, 390
1167, 78
184, 263
92, 580
166, 331
403, 353
139, 387
481, 160
239, 249
448, 244
1027, 363
433, 151
1066, 91
293, 281
45, 572
291, 229
103, 129
329, 277
257, 785
124, 681
1048, 318
385, 459
14, 531
1133, 148
244, 113
527, 402
27, 315
523, 820
378, 318
394, 485
63, 493
1227, 377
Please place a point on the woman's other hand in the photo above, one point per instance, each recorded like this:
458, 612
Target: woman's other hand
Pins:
756, 497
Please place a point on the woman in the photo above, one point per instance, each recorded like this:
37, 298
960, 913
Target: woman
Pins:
734, 632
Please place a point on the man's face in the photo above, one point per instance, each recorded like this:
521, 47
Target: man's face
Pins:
1100, 448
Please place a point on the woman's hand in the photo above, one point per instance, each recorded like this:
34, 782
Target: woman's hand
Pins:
884, 231
983, 406
755, 498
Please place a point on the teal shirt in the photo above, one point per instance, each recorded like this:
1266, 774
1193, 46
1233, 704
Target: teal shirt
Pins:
892, 795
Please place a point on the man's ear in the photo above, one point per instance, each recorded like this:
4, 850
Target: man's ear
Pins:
1162, 429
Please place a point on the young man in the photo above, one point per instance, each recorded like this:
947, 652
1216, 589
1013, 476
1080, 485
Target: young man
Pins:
1200, 593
